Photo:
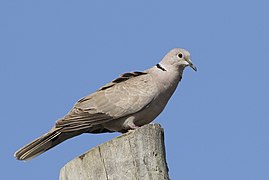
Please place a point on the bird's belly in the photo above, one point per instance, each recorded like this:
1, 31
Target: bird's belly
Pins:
148, 114
142, 117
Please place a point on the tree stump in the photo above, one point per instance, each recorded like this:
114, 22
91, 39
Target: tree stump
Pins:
136, 155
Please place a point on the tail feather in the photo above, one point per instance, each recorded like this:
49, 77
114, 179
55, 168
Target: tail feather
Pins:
43, 143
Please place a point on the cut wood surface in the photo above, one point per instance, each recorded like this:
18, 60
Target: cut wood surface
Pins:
136, 155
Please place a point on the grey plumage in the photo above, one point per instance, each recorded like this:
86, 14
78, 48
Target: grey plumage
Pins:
128, 102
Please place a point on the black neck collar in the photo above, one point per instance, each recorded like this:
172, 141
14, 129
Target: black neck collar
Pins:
160, 67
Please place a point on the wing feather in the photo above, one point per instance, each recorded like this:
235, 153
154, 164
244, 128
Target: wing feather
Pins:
124, 96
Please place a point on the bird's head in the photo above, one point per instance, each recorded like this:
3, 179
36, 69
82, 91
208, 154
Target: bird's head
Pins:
179, 58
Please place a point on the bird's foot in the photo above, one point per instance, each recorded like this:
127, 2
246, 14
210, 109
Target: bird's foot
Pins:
132, 127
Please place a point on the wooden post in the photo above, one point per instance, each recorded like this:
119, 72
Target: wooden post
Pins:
136, 155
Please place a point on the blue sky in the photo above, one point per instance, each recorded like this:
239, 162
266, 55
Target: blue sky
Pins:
55, 52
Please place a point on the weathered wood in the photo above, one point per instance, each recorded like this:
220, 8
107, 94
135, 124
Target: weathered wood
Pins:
138, 155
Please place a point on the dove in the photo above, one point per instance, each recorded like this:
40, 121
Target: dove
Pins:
127, 103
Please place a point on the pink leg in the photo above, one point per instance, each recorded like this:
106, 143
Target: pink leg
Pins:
133, 126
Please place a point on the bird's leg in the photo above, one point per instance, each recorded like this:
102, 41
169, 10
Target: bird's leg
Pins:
133, 126
129, 125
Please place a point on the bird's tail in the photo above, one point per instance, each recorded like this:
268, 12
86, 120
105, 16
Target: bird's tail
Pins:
43, 143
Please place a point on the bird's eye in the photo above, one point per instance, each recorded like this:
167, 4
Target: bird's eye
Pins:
180, 55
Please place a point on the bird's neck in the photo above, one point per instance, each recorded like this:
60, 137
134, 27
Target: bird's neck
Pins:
166, 77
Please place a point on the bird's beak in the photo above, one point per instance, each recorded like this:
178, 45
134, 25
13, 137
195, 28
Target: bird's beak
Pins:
191, 65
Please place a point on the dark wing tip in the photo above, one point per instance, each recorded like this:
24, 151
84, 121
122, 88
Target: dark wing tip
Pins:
122, 78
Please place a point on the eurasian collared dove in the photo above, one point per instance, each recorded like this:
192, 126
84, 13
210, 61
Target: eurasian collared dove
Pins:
128, 102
